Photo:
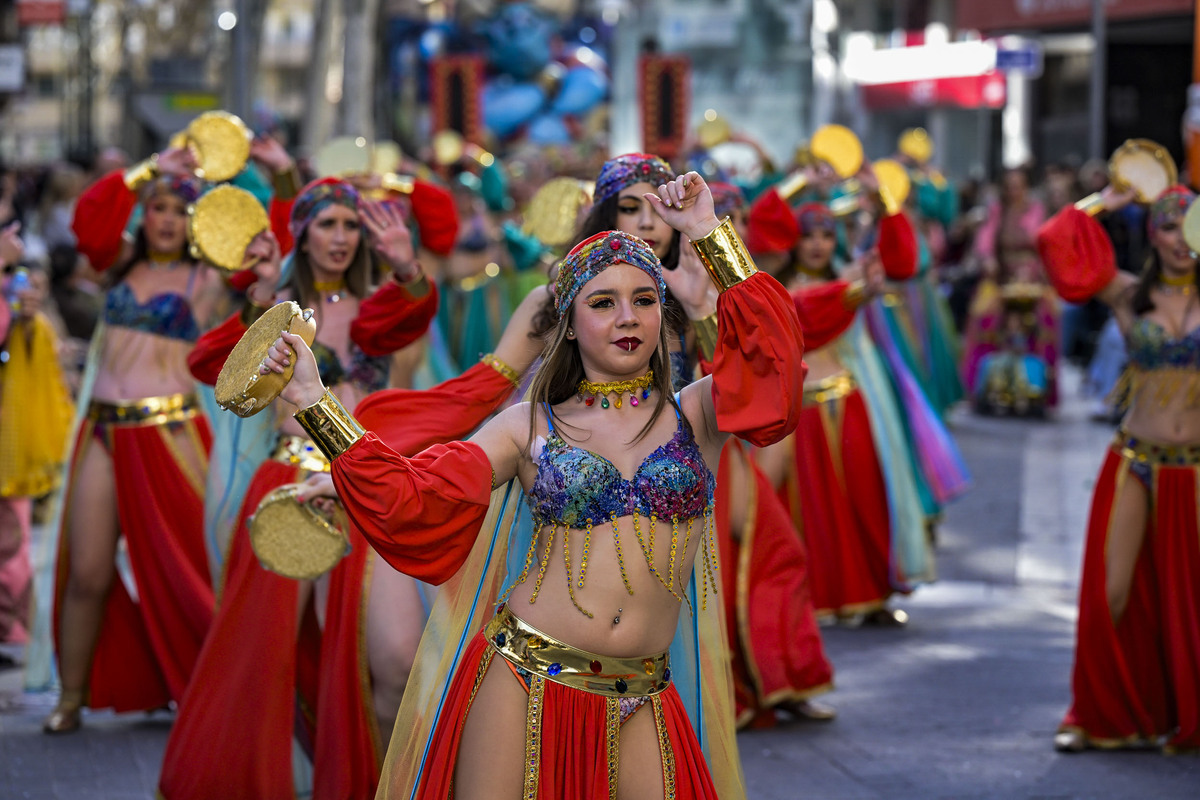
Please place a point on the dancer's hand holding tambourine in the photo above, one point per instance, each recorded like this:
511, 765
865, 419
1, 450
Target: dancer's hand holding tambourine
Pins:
305, 387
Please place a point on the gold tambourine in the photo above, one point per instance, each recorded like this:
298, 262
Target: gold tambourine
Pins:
553, 212
386, 156
714, 130
1191, 227
837, 146
221, 142
1144, 166
221, 225
294, 539
894, 183
345, 155
916, 144
240, 388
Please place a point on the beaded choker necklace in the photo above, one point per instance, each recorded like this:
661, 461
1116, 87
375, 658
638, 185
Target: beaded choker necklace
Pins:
588, 391
332, 288
164, 260
1177, 284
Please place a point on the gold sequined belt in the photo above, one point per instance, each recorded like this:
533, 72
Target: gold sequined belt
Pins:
146, 411
1168, 455
300, 452
834, 387
530, 649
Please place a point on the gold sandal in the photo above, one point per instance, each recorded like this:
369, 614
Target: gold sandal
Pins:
67, 715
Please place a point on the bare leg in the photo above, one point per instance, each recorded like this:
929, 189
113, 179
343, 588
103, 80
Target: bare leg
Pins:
1127, 531
491, 753
395, 621
640, 773
92, 532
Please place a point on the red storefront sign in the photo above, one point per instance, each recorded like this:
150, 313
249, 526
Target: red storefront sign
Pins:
1011, 15
975, 91
41, 12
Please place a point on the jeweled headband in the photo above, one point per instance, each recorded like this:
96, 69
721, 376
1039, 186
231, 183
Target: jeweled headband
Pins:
597, 253
317, 197
727, 198
1171, 204
186, 187
624, 171
813, 217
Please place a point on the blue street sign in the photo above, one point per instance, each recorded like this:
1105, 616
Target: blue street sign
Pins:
1025, 60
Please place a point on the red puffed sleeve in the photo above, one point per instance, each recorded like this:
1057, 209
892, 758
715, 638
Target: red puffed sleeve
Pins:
436, 215
770, 226
1077, 254
392, 318
758, 367
209, 352
280, 213
823, 311
421, 514
412, 419
101, 214
897, 247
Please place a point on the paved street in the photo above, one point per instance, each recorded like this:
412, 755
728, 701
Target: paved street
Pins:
960, 704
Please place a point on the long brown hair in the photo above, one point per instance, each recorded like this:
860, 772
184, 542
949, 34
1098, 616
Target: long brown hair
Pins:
557, 378
358, 276
1151, 274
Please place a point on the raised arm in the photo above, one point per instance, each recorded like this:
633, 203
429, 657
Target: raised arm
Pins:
1078, 255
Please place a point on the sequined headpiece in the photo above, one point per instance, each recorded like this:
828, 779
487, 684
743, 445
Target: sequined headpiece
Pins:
186, 187
624, 171
318, 196
727, 198
597, 253
1170, 205
814, 217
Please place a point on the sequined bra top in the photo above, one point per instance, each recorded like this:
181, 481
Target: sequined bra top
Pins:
1150, 348
369, 373
168, 314
575, 487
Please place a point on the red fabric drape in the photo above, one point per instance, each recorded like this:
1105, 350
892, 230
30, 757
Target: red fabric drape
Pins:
1077, 254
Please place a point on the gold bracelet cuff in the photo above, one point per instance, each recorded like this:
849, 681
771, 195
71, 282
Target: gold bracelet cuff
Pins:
856, 294
706, 335
724, 256
142, 173
400, 184
330, 426
287, 183
495, 362
1091, 205
417, 288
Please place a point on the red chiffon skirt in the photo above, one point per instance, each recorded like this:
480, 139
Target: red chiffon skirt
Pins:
774, 642
573, 741
838, 502
266, 678
149, 643
1138, 681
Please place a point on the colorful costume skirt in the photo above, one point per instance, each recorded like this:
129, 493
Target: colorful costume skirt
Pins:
838, 500
774, 641
1138, 681
285, 678
577, 703
1025, 326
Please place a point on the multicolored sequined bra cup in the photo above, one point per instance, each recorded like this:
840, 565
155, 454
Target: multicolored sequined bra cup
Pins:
1172, 363
168, 314
576, 489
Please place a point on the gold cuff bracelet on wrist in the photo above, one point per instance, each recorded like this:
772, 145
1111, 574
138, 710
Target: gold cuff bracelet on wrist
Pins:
287, 183
142, 173
706, 335
724, 256
1092, 205
495, 362
417, 288
400, 184
330, 426
856, 294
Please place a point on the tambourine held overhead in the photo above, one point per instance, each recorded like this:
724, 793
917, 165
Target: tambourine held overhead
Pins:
1144, 166
221, 142
240, 388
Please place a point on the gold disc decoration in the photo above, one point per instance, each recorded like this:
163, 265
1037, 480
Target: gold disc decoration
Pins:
386, 156
553, 212
345, 155
714, 130
837, 146
917, 144
240, 388
294, 539
1144, 166
221, 225
1191, 227
222, 145
894, 183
